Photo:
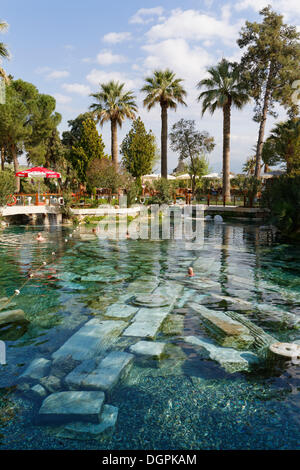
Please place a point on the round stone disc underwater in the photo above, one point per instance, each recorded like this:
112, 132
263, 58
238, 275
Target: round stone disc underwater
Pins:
286, 349
151, 300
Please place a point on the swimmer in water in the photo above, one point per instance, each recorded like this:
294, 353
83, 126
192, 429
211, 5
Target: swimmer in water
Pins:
191, 272
39, 237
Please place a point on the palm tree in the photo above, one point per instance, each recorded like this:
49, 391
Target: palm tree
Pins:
224, 88
249, 166
114, 105
165, 89
283, 145
4, 54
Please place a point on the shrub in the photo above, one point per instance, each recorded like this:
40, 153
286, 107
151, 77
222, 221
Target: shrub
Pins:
93, 219
164, 192
282, 197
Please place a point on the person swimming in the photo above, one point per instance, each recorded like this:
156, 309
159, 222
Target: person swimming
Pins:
191, 272
40, 238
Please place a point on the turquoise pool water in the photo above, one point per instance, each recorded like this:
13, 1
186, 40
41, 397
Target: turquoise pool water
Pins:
185, 400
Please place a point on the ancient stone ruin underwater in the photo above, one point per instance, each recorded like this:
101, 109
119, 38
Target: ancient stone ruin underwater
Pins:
110, 345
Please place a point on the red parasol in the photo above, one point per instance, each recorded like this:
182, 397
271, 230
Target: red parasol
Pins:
38, 171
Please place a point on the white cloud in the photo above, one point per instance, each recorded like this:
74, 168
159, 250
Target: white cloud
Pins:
77, 88
195, 26
146, 15
108, 58
290, 9
99, 76
114, 38
62, 99
188, 62
50, 74
58, 74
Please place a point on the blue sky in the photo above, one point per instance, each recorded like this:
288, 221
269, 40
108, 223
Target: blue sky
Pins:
67, 47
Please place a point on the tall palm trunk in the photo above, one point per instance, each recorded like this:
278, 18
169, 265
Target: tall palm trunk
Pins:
226, 149
164, 140
261, 133
114, 143
16, 165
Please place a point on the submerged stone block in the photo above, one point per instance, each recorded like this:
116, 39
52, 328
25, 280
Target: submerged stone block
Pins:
37, 392
238, 303
147, 322
63, 366
110, 370
121, 311
173, 325
103, 376
148, 348
86, 431
51, 383
12, 316
228, 332
72, 406
262, 339
74, 379
37, 369
141, 286
230, 359
92, 339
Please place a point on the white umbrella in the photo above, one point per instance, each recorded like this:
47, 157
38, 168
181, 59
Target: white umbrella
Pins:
185, 176
212, 175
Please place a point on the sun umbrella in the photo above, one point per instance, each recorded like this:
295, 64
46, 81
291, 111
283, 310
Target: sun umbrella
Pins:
185, 176
38, 172
212, 175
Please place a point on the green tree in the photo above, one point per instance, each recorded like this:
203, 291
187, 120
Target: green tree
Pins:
44, 121
89, 147
271, 65
138, 150
7, 185
4, 54
283, 145
224, 88
192, 146
71, 137
114, 104
165, 89
101, 173
16, 120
